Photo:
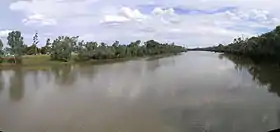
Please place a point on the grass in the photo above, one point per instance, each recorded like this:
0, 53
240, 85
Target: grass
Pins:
31, 61
44, 61
35, 62
35, 59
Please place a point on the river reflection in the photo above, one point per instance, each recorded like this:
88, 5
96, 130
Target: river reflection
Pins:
17, 85
193, 92
265, 74
64, 75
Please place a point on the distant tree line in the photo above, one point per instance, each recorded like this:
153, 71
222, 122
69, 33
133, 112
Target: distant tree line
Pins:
265, 47
63, 47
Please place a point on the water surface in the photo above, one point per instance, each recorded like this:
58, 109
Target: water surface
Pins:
192, 92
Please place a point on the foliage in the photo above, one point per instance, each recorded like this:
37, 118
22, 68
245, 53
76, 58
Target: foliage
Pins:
91, 50
34, 44
1, 48
47, 48
1, 51
265, 47
15, 41
43, 50
31, 50
85, 50
62, 48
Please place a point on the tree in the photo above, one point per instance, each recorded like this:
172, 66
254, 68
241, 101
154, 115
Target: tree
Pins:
265, 47
43, 50
116, 44
47, 48
32, 50
15, 42
6, 51
35, 43
91, 50
1, 51
24, 49
62, 48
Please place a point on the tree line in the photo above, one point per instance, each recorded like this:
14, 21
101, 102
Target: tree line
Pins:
63, 47
264, 47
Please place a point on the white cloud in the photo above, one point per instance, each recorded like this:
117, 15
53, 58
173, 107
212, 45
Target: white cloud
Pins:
48, 12
124, 14
166, 15
160, 11
39, 19
258, 15
108, 20
4, 33
114, 18
132, 14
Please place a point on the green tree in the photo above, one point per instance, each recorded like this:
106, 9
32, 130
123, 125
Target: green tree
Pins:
116, 44
43, 50
265, 47
15, 42
32, 50
6, 51
47, 48
24, 49
62, 48
91, 50
35, 43
1, 51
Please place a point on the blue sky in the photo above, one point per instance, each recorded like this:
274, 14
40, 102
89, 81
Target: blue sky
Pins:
188, 23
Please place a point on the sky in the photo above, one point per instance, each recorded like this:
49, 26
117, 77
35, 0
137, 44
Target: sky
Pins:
191, 23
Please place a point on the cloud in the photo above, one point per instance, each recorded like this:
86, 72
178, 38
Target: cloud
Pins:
166, 16
195, 23
48, 12
185, 11
132, 14
189, 29
124, 14
39, 19
257, 15
4, 33
160, 11
114, 19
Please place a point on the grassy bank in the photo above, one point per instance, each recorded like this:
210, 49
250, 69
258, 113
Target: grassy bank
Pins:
33, 60
44, 61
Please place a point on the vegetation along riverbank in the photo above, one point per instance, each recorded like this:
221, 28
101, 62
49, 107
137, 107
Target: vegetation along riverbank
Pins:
263, 48
68, 50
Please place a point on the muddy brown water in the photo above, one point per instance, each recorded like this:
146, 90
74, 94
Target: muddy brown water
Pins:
192, 92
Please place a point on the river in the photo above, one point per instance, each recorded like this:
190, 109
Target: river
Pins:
192, 92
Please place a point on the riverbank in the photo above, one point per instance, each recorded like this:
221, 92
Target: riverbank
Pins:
44, 61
